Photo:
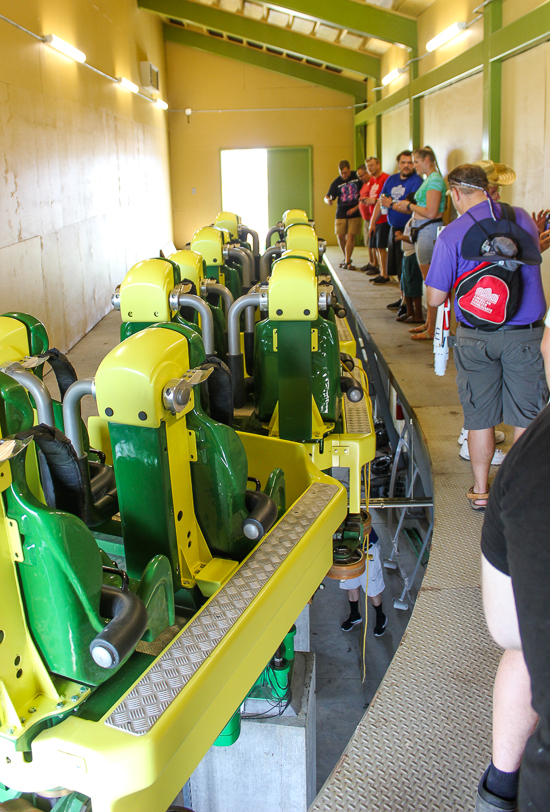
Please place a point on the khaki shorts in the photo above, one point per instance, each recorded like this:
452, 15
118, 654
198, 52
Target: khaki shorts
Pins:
348, 225
500, 376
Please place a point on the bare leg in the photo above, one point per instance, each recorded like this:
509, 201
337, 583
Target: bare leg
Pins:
481, 445
376, 600
518, 432
373, 257
513, 717
353, 594
350, 245
427, 327
342, 243
383, 260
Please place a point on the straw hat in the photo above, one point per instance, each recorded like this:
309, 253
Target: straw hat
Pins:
497, 174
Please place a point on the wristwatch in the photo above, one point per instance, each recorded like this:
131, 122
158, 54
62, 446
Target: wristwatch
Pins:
409, 208
391, 205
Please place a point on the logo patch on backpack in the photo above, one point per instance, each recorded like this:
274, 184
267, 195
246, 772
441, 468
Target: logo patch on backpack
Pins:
488, 300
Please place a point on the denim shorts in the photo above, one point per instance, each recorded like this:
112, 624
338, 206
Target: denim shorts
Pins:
500, 376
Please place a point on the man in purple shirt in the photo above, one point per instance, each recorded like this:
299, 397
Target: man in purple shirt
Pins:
500, 374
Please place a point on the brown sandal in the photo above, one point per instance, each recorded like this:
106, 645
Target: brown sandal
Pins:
477, 497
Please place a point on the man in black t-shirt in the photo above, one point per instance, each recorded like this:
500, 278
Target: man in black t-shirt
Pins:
515, 544
345, 190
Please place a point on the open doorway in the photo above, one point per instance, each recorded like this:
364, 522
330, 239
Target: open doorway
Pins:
260, 184
244, 186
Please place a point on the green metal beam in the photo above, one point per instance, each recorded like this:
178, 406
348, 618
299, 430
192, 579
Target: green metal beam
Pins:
361, 18
307, 73
463, 65
414, 108
271, 35
492, 83
526, 32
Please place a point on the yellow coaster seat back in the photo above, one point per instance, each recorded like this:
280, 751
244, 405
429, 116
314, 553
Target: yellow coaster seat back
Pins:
296, 353
61, 573
181, 476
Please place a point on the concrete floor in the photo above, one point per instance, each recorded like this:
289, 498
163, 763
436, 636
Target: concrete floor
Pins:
341, 696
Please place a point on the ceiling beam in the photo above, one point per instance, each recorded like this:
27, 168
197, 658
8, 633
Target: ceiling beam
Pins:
359, 18
271, 35
261, 59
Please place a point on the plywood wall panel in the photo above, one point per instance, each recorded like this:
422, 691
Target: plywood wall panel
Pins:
452, 122
525, 132
85, 183
395, 136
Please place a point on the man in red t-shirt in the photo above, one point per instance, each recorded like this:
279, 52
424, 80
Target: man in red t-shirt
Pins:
372, 266
379, 231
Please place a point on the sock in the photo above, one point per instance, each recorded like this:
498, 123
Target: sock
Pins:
504, 785
379, 614
354, 610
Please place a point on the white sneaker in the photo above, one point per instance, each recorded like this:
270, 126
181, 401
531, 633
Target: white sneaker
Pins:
498, 457
499, 436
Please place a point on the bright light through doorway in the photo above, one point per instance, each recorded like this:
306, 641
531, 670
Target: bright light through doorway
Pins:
244, 187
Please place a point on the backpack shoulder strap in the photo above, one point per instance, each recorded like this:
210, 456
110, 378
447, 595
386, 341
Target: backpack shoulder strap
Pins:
509, 211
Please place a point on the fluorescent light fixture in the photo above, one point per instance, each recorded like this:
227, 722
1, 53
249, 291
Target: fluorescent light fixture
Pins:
127, 84
393, 74
65, 48
162, 104
449, 33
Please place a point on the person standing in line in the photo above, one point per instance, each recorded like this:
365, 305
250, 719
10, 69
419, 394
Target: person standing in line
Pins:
411, 277
379, 229
427, 215
500, 371
371, 267
345, 190
397, 187
373, 589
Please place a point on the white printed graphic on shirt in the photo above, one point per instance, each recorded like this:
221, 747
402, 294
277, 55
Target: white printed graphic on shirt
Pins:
484, 298
397, 192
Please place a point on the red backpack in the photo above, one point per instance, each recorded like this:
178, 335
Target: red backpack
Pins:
489, 295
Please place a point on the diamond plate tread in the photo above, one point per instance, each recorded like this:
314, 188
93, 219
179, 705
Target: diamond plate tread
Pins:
157, 689
344, 332
425, 739
357, 416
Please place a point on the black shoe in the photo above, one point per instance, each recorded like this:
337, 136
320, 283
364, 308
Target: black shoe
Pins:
372, 271
381, 624
486, 801
395, 305
380, 280
348, 624
369, 267
402, 311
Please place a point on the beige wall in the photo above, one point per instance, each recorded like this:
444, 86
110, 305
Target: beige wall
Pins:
452, 122
525, 132
205, 81
85, 187
395, 136
512, 9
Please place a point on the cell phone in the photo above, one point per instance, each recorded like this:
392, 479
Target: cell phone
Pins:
547, 222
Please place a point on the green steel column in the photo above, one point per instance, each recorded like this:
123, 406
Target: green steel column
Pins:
492, 83
360, 145
378, 125
414, 106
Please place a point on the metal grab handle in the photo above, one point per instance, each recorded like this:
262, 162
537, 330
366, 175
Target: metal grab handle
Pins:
71, 411
41, 395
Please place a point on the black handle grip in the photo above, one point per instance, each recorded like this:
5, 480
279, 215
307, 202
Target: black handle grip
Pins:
122, 634
236, 366
347, 361
249, 352
262, 515
351, 389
